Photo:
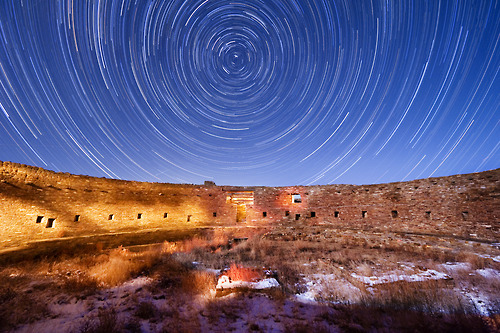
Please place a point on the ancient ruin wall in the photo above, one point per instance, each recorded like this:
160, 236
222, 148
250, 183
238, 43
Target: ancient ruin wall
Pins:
82, 205
463, 205
37, 204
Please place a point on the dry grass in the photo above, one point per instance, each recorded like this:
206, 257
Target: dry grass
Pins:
292, 252
105, 322
362, 318
432, 296
146, 310
15, 310
198, 282
365, 269
120, 265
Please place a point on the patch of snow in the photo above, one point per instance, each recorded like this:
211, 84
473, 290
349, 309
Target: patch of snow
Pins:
489, 273
133, 284
407, 265
225, 282
479, 301
454, 266
307, 297
212, 270
329, 287
429, 274
487, 256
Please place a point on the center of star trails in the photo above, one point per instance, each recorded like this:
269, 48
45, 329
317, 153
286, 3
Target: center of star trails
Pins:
236, 60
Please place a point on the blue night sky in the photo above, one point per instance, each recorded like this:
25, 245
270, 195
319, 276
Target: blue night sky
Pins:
251, 92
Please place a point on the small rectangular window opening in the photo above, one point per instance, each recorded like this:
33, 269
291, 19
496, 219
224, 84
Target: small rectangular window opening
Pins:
264, 214
297, 216
39, 219
296, 198
50, 223
394, 214
364, 213
313, 214
465, 215
428, 214
336, 214
215, 214
139, 216
165, 215
287, 213
189, 218
77, 218
111, 217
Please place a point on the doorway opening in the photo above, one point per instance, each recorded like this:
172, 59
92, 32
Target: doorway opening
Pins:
241, 213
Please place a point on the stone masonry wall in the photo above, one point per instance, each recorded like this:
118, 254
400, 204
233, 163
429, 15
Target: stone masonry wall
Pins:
461, 205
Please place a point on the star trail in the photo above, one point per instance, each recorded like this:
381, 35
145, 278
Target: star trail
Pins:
251, 92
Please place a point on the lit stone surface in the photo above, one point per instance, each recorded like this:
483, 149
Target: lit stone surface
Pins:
37, 204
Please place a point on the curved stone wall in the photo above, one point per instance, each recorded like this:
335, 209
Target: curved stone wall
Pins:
37, 204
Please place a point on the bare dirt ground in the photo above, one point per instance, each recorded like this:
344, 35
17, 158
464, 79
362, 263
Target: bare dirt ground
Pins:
330, 280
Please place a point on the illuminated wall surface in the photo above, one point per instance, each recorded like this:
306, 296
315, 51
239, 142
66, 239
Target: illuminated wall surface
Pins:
37, 204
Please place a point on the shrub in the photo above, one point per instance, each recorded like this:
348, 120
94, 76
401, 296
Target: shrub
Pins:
428, 296
476, 261
198, 282
145, 310
121, 264
80, 283
106, 322
20, 308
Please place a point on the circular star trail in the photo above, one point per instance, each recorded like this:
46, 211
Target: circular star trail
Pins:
251, 92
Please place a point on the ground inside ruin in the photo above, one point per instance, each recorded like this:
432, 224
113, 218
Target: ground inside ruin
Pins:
280, 279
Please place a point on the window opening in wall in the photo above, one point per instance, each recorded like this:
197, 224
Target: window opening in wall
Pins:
264, 214
215, 214
77, 218
428, 214
111, 217
313, 214
296, 198
465, 215
39, 219
297, 216
287, 213
139, 216
50, 223
394, 214
364, 213
165, 215
189, 218
336, 214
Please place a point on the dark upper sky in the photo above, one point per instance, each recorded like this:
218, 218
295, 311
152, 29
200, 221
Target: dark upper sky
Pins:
251, 92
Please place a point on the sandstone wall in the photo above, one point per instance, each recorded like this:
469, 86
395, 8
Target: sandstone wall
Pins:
462, 205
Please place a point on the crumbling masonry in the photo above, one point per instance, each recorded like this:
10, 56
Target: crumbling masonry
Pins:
37, 204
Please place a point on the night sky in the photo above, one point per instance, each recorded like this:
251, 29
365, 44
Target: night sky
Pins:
251, 92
